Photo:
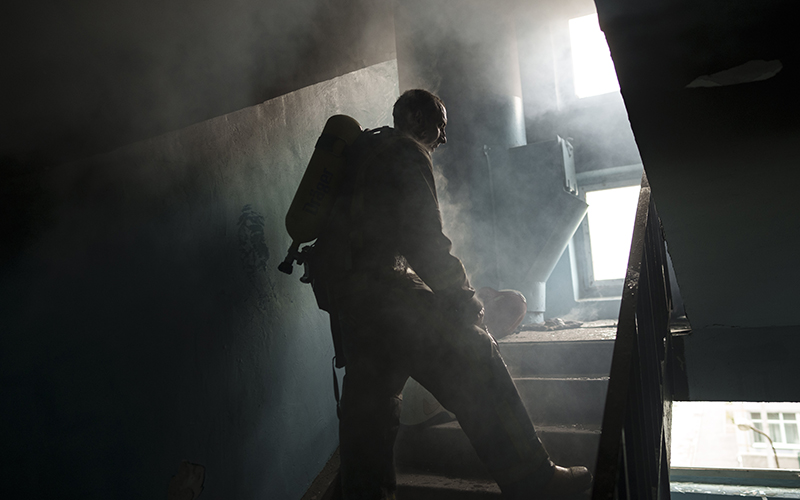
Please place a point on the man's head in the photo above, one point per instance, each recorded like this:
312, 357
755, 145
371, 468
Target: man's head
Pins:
421, 115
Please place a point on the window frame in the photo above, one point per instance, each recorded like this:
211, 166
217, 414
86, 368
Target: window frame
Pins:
585, 287
765, 422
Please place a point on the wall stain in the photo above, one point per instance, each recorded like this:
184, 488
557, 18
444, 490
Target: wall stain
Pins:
188, 483
254, 253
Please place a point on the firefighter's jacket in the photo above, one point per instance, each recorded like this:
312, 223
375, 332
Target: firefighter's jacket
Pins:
387, 226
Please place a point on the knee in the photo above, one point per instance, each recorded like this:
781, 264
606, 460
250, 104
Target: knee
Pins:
479, 345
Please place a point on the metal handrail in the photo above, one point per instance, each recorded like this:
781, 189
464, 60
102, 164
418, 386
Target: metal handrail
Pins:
633, 456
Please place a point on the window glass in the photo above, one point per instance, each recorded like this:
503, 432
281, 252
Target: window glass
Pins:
775, 432
722, 434
593, 69
612, 213
757, 436
792, 436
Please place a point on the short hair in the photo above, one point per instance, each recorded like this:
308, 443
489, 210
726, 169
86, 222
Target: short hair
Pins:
411, 101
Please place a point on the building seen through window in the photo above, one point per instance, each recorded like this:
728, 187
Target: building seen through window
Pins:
781, 427
736, 435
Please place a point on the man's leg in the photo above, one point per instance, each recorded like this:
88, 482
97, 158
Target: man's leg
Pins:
461, 366
403, 332
370, 418
465, 372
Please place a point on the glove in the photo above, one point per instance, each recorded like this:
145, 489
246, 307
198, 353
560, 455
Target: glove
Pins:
461, 306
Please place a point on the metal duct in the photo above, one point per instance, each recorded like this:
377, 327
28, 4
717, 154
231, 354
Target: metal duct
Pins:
537, 212
515, 212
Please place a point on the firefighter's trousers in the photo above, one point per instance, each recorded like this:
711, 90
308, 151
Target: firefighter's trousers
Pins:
393, 333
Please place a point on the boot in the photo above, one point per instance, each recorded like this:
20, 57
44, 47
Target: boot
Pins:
567, 481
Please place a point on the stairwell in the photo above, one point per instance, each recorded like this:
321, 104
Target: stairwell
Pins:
562, 377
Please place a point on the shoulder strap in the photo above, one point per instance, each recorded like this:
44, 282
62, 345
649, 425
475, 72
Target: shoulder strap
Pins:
358, 204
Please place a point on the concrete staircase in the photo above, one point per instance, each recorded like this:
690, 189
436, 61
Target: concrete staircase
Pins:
562, 377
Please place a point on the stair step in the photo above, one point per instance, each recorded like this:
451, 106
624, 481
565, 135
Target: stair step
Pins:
570, 445
571, 358
562, 377
422, 486
445, 449
558, 400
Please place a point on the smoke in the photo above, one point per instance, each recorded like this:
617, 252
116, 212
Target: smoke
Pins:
475, 56
87, 77
91, 76
582, 312
456, 221
597, 126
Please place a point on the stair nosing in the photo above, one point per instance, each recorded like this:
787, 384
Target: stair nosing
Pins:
579, 428
591, 378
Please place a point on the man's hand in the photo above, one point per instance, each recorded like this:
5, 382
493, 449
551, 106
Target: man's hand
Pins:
461, 306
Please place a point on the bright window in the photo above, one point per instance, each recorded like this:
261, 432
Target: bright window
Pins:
593, 69
732, 435
780, 426
612, 213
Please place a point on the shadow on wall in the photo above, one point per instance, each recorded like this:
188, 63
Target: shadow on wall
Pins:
146, 322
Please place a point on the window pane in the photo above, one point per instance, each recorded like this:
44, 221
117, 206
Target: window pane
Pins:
773, 416
789, 416
757, 436
791, 434
775, 432
593, 69
612, 213
702, 434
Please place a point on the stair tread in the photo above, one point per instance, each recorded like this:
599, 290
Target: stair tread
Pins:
445, 449
439, 480
593, 331
413, 484
440, 483
587, 378
556, 358
577, 428
558, 373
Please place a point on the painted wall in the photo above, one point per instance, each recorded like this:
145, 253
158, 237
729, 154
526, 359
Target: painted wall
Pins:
722, 160
145, 321
82, 78
743, 364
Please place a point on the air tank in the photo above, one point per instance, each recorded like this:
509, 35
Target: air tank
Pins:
320, 184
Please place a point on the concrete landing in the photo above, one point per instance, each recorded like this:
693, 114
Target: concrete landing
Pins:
591, 330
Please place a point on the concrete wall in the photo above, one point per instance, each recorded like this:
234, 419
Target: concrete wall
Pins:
722, 165
145, 321
743, 364
81, 78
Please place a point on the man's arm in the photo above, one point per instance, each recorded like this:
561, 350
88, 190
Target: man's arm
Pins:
420, 237
425, 246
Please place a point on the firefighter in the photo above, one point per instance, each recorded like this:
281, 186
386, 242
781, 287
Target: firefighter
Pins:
403, 306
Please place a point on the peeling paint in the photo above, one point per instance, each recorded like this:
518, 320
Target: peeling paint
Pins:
187, 484
254, 253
